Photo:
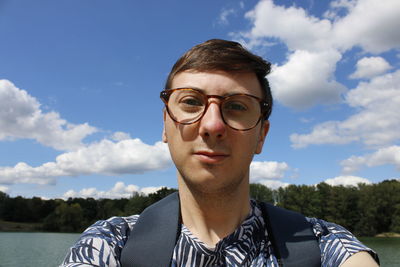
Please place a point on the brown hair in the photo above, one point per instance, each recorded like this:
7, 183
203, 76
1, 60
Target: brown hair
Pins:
222, 55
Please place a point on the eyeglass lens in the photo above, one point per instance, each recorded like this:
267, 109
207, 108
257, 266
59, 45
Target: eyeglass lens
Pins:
238, 111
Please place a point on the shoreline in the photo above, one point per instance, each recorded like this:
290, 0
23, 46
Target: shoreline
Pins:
6, 226
389, 234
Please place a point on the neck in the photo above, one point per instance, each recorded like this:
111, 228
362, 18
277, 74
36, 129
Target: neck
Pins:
213, 216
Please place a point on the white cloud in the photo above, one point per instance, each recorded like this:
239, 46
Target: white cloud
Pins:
376, 123
316, 44
4, 189
387, 155
338, 6
267, 170
268, 173
104, 158
329, 132
295, 83
23, 173
21, 117
273, 184
120, 136
347, 4
292, 25
150, 189
371, 24
223, 16
369, 67
347, 181
120, 190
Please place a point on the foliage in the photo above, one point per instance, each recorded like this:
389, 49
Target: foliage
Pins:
365, 210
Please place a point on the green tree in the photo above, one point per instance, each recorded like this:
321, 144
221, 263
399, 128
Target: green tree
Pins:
387, 197
324, 195
89, 207
300, 198
66, 218
3, 200
261, 193
160, 194
136, 204
395, 225
367, 207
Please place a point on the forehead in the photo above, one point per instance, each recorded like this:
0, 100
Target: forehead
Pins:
219, 82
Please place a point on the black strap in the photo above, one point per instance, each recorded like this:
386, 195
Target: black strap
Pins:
153, 238
291, 236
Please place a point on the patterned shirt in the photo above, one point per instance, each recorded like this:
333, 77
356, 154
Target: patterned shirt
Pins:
102, 243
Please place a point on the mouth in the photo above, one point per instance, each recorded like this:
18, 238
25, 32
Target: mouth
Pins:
210, 157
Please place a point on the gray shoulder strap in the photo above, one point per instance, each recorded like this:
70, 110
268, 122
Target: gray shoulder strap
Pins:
152, 240
292, 237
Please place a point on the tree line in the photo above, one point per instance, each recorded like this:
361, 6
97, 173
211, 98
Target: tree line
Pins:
365, 210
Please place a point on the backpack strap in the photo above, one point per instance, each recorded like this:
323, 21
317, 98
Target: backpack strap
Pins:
152, 240
292, 237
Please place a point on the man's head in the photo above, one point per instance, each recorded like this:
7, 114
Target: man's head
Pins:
228, 56
211, 92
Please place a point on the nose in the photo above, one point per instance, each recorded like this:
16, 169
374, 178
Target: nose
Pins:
212, 125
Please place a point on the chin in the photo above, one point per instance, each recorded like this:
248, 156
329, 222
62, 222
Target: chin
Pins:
212, 184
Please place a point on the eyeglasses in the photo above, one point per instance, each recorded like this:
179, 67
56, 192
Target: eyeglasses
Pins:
241, 112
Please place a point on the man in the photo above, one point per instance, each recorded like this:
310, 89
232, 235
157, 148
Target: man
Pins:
217, 104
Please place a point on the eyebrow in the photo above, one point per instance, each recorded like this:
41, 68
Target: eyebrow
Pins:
204, 92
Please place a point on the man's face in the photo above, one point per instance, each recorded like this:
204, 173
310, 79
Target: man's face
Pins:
209, 155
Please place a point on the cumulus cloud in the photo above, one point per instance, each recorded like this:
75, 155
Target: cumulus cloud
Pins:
120, 190
329, 132
346, 4
292, 25
295, 83
347, 181
268, 173
375, 124
120, 136
273, 184
23, 173
387, 155
21, 117
369, 67
319, 43
267, 170
129, 156
369, 24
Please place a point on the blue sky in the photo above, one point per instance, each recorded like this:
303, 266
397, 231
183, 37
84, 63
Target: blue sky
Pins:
79, 84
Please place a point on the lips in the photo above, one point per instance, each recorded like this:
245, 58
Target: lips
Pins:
211, 157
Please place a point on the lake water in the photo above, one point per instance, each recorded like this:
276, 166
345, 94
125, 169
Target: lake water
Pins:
34, 249
49, 249
387, 248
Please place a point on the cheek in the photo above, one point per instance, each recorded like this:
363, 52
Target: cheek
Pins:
176, 135
250, 143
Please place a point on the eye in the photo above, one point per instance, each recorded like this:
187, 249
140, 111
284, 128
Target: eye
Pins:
191, 101
235, 106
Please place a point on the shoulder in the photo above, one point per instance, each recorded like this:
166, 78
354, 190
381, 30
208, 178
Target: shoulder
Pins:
115, 227
337, 244
102, 242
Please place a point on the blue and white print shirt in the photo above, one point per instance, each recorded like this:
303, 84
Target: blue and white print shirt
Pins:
102, 243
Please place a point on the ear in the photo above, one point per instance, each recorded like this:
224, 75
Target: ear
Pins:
164, 134
263, 133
